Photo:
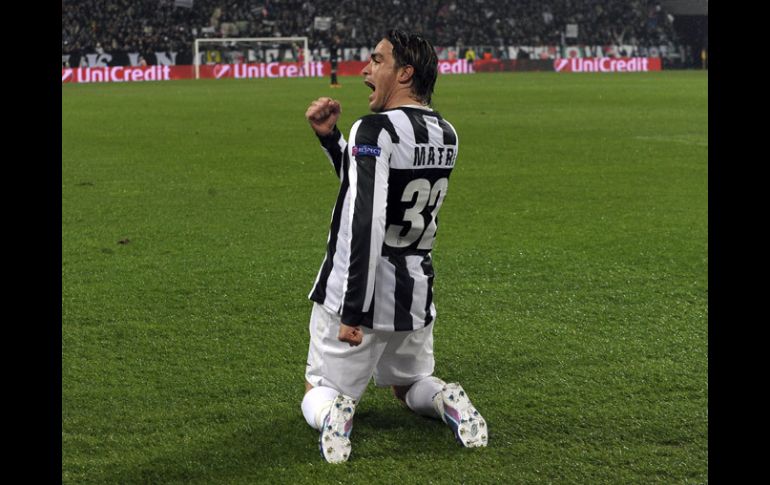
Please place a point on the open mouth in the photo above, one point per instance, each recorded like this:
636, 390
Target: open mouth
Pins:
372, 87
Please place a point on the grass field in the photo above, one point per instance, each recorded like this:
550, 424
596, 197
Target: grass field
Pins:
571, 288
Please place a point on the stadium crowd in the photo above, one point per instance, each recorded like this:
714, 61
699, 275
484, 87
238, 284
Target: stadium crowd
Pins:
145, 26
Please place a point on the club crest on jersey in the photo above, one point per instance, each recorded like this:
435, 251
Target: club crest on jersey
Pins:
364, 150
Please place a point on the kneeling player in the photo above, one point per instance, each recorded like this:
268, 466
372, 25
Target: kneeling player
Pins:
373, 310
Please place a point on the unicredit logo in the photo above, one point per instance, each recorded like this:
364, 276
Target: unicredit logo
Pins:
274, 69
602, 64
115, 74
559, 64
221, 70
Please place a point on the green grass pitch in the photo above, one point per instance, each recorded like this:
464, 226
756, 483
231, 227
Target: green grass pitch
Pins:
571, 283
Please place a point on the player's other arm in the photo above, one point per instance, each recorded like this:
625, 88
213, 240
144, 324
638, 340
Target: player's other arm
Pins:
369, 150
322, 114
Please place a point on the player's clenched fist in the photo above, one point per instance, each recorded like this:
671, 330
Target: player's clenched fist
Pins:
322, 114
352, 335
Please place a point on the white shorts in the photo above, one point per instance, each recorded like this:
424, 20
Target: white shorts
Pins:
392, 358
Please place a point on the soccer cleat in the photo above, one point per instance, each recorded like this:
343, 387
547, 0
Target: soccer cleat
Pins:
334, 441
458, 412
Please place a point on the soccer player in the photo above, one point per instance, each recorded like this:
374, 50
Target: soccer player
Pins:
373, 297
333, 57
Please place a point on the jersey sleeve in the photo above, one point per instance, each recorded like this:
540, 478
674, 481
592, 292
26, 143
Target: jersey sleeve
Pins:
369, 151
334, 145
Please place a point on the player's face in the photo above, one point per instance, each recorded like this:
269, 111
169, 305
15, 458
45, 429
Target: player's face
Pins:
381, 76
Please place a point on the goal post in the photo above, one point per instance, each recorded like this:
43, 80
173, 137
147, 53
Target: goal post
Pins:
273, 44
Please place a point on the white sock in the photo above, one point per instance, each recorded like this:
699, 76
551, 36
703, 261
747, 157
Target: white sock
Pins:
421, 394
316, 405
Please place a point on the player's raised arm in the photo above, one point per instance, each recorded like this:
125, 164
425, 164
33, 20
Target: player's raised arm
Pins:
322, 114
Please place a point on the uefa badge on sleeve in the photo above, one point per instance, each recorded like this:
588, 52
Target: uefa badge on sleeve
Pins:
366, 150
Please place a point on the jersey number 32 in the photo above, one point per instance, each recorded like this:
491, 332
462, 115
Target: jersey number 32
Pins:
427, 198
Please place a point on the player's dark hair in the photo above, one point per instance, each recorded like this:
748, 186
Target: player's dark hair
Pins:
414, 50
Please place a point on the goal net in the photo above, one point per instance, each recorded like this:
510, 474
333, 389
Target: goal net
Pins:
256, 51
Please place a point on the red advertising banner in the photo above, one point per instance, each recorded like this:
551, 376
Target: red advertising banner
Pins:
607, 64
229, 71
125, 74
348, 68
354, 68
496, 65
259, 70
171, 73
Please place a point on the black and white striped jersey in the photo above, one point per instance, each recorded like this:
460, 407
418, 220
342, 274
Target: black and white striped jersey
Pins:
394, 172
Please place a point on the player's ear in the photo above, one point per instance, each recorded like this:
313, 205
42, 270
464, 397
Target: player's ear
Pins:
405, 74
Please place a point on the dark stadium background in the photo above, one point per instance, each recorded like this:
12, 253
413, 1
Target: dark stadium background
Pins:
154, 29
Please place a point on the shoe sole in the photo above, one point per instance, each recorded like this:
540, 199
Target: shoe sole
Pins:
334, 442
469, 426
